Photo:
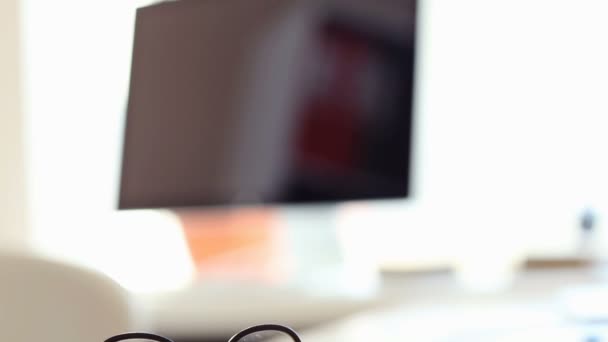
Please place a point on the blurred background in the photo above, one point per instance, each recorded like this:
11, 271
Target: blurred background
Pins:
503, 237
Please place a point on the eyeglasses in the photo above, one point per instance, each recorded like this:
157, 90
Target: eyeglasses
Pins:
258, 333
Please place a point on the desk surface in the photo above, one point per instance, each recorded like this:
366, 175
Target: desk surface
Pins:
432, 307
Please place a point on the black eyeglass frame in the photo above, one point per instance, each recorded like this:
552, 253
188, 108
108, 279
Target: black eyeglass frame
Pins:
251, 330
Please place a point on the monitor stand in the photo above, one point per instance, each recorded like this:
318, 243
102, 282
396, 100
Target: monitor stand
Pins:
325, 262
306, 247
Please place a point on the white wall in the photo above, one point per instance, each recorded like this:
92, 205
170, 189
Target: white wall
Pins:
13, 230
512, 115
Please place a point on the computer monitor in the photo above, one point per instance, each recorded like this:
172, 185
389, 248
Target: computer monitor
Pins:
269, 102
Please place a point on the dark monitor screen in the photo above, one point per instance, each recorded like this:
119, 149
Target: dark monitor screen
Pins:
274, 101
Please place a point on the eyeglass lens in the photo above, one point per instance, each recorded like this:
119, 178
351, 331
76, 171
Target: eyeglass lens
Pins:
266, 336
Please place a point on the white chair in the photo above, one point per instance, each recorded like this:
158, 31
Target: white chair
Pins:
47, 301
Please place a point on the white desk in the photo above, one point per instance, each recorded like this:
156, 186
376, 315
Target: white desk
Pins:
433, 308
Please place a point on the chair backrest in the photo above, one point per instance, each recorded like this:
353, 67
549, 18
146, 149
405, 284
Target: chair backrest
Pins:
47, 301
